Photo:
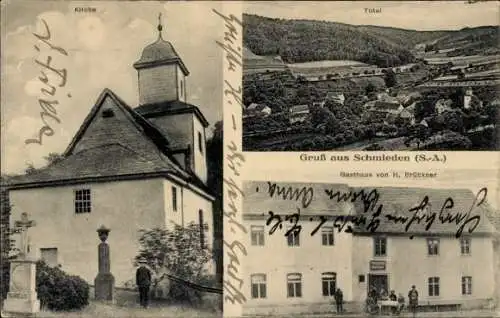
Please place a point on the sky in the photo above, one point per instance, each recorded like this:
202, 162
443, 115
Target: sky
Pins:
416, 15
101, 47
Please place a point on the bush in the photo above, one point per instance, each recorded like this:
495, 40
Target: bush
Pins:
178, 252
59, 291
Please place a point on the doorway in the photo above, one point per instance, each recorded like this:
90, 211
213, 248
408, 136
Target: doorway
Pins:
379, 282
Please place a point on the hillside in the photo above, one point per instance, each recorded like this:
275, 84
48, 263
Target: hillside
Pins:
469, 41
308, 40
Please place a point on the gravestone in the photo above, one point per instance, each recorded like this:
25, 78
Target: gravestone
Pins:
22, 297
104, 281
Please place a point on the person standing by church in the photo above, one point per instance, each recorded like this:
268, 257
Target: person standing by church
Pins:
143, 279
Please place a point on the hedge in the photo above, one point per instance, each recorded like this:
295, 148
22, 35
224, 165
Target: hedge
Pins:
59, 291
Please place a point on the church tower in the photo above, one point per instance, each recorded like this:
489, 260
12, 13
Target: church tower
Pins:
162, 100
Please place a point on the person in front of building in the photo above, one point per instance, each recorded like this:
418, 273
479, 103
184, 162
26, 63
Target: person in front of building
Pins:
393, 297
383, 294
339, 300
371, 301
413, 300
401, 302
143, 279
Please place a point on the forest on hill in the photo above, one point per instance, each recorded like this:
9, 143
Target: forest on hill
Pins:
309, 40
469, 41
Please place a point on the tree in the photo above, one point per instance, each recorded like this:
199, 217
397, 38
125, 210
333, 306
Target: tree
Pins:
30, 169
457, 97
6, 244
424, 108
214, 182
53, 158
370, 88
390, 78
453, 121
178, 252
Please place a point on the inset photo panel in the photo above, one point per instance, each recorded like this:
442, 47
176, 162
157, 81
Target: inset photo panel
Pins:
370, 75
111, 143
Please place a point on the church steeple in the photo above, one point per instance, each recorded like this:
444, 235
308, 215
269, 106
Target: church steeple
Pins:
161, 72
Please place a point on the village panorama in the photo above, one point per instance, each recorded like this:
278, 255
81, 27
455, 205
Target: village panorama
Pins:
318, 85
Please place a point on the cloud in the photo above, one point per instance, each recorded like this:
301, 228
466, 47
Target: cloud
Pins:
91, 32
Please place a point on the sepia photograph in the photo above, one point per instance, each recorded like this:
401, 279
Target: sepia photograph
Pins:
347, 249
354, 76
111, 159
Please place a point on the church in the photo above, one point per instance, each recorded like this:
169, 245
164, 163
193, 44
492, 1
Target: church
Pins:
127, 168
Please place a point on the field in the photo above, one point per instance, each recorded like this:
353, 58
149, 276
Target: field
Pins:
326, 63
462, 60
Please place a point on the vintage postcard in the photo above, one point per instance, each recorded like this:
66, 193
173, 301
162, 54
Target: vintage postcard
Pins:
111, 159
350, 76
315, 225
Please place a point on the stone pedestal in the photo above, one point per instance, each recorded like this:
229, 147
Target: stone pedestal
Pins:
22, 298
104, 286
104, 281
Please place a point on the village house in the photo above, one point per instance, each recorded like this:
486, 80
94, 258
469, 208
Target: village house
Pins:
337, 97
298, 113
304, 270
388, 109
127, 169
471, 100
443, 105
255, 109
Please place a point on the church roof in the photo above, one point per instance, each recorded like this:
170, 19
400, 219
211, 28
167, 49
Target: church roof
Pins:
159, 53
126, 145
171, 107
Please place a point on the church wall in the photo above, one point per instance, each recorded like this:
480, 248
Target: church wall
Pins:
200, 159
123, 206
189, 204
158, 84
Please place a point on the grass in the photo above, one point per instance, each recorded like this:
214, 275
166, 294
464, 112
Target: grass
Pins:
97, 309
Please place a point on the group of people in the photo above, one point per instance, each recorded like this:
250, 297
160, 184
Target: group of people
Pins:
374, 297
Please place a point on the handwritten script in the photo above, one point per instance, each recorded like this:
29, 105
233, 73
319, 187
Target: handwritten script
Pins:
234, 160
48, 70
370, 214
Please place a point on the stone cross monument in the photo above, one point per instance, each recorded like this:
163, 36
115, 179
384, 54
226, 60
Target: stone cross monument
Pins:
22, 298
104, 281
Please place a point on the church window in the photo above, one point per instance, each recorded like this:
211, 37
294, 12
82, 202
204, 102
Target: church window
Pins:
174, 198
182, 88
82, 201
200, 142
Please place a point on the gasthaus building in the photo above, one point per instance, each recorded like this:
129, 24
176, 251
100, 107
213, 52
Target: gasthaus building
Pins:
300, 273
127, 168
